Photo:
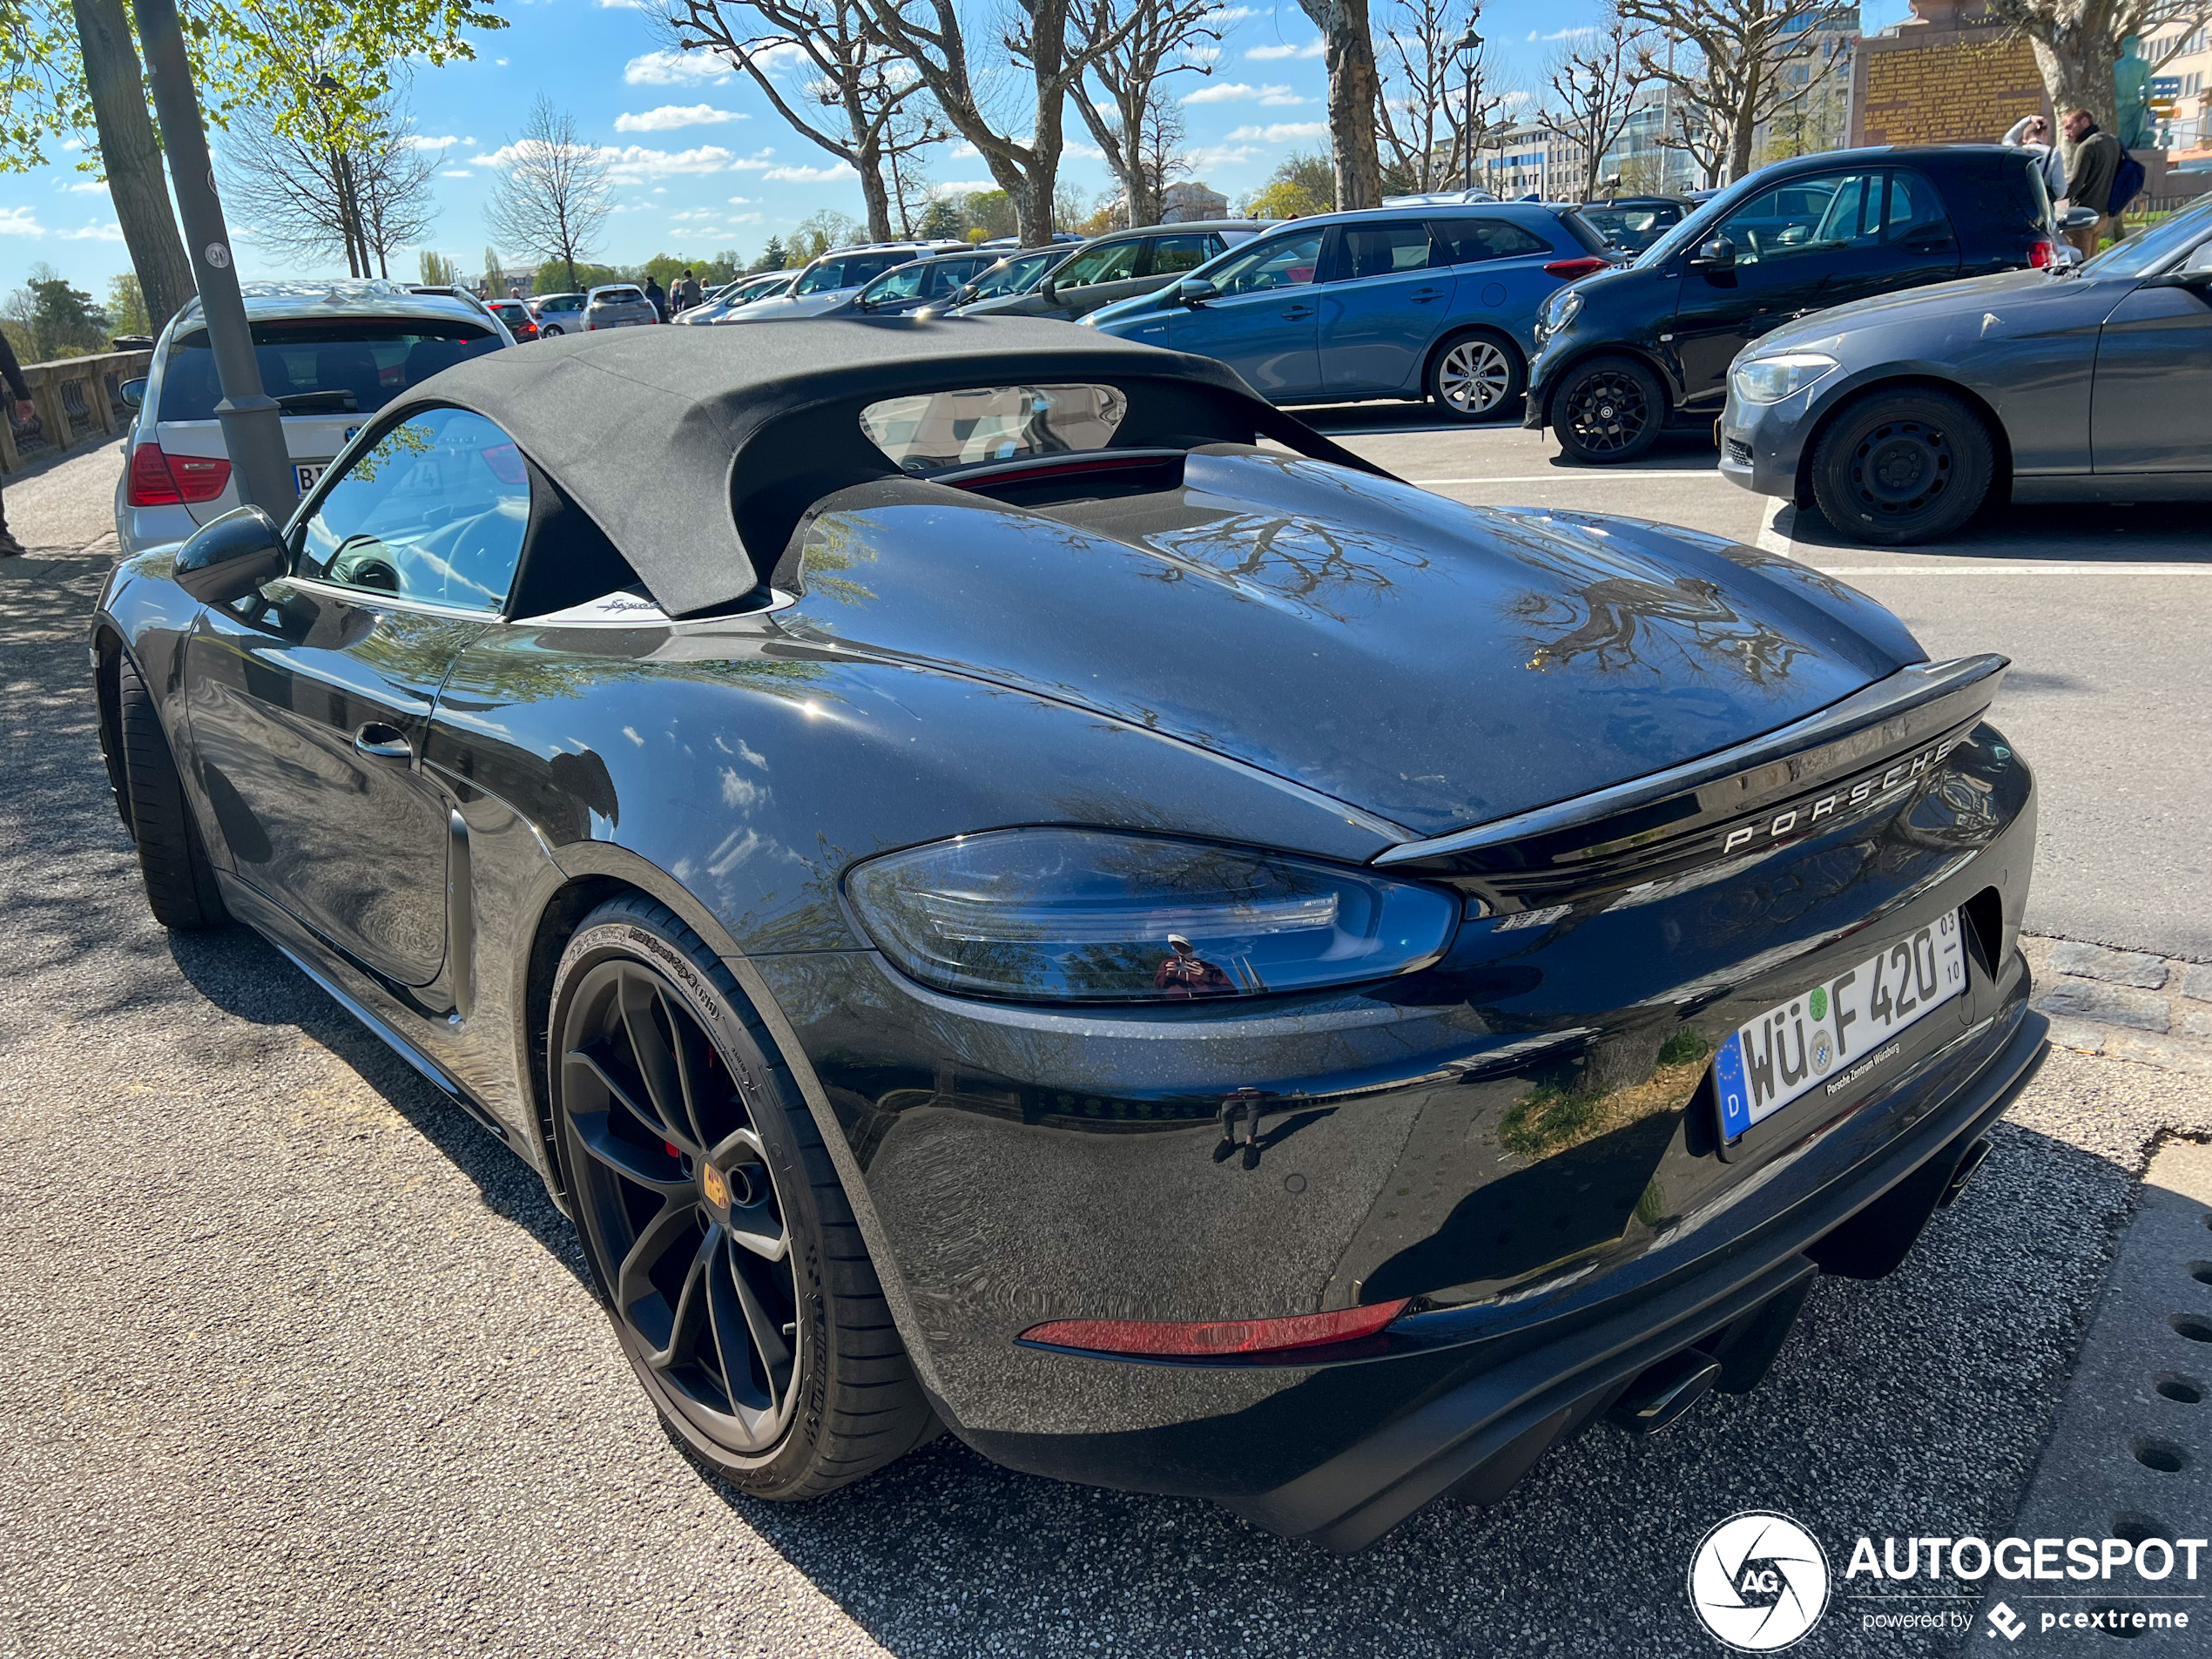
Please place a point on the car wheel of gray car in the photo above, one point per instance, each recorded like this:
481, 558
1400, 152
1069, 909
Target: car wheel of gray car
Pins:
180, 883
1472, 376
550, 328
1609, 411
1903, 467
718, 1234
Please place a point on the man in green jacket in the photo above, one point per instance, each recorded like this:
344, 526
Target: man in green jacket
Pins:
25, 412
2088, 177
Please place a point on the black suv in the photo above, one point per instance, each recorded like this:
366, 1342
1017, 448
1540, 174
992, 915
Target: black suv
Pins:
1625, 353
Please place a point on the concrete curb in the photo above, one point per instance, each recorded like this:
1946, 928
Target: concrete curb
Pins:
2124, 1004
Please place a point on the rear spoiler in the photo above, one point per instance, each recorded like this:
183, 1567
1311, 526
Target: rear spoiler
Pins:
1909, 711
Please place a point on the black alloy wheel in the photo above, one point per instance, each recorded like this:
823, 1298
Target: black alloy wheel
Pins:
1903, 467
172, 860
717, 1229
1609, 411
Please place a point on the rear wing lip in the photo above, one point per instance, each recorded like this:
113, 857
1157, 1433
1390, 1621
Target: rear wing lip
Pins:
1912, 706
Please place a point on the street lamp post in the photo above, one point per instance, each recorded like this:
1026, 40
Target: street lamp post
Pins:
252, 422
1469, 50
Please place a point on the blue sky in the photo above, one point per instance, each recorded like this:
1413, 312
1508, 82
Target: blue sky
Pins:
702, 160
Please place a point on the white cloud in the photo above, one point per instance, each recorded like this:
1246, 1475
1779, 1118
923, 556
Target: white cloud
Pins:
668, 117
962, 186
1087, 151
1231, 14
746, 218
17, 221
757, 162
1564, 34
89, 187
691, 214
73, 143
740, 201
627, 163
502, 62
622, 5
674, 69
1276, 54
1220, 155
1238, 92
964, 151
94, 233
416, 141
809, 175
456, 172
1280, 133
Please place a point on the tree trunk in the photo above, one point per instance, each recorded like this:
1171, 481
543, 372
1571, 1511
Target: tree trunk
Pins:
2076, 81
1355, 88
131, 157
1747, 126
875, 200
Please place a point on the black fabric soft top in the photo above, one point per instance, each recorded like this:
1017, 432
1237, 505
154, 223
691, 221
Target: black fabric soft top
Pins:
697, 452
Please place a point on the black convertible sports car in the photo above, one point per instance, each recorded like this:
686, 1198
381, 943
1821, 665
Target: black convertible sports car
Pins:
1005, 882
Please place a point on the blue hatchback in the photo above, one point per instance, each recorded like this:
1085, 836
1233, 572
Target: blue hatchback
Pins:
1438, 302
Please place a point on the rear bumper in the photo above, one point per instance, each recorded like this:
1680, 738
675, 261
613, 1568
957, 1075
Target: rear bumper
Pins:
1469, 1401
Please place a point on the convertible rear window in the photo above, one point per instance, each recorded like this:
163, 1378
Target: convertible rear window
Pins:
939, 430
349, 366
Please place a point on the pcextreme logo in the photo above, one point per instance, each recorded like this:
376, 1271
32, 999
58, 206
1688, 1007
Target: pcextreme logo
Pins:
1758, 1582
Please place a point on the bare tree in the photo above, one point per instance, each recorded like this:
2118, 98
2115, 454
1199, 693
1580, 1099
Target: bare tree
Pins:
1160, 158
1732, 77
1355, 92
2077, 42
1159, 43
860, 102
930, 34
1595, 79
555, 195
1429, 86
364, 196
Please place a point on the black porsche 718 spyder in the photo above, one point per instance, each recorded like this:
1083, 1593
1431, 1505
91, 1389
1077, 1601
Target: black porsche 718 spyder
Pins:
1005, 882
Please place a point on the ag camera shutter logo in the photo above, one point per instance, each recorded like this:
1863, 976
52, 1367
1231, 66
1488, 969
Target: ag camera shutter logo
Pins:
1758, 1582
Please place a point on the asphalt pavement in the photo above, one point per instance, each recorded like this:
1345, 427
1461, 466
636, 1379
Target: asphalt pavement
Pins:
302, 1362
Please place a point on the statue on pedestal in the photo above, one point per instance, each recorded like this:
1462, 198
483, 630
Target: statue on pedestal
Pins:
2131, 96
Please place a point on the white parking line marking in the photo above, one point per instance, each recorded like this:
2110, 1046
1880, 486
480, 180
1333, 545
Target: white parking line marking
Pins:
1566, 475
1775, 536
2012, 569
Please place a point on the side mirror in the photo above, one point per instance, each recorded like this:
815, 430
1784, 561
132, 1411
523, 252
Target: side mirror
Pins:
2077, 219
232, 557
1717, 254
134, 392
1195, 291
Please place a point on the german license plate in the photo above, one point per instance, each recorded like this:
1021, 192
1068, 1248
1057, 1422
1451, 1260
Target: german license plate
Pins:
1823, 1035
304, 474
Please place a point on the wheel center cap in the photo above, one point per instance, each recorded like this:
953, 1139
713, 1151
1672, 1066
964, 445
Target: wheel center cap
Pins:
716, 1185
1605, 412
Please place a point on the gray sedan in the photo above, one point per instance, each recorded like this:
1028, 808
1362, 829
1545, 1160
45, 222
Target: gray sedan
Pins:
1900, 416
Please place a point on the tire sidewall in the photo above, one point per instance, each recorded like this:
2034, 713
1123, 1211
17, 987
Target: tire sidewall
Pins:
1516, 381
1970, 445
1562, 402
710, 1001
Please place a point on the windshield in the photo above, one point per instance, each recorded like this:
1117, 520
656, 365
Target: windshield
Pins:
347, 367
903, 283
1016, 275
2146, 250
1691, 230
848, 273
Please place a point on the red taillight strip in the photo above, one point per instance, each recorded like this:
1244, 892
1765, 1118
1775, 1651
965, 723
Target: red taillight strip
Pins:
1567, 270
1215, 1339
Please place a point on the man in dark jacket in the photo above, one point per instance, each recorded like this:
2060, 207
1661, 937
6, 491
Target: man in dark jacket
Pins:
25, 411
658, 295
2089, 174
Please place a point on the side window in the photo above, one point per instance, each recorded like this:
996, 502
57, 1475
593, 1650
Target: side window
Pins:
434, 513
1916, 215
1110, 263
1173, 255
1467, 241
1382, 250
1827, 211
903, 283
1279, 262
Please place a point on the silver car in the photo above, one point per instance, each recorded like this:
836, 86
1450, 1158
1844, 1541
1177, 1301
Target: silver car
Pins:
733, 296
617, 304
558, 314
332, 353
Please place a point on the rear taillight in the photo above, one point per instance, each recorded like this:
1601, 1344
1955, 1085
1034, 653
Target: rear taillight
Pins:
2042, 255
1215, 1339
158, 480
1569, 270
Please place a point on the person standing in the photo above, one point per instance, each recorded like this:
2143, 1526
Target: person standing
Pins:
658, 295
687, 292
25, 412
2032, 132
2089, 174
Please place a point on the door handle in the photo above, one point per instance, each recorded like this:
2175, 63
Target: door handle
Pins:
1422, 296
382, 741
1297, 314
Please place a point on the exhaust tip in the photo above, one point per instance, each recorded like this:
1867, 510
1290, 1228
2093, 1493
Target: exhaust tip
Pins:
1969, 1165
1664, 1394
